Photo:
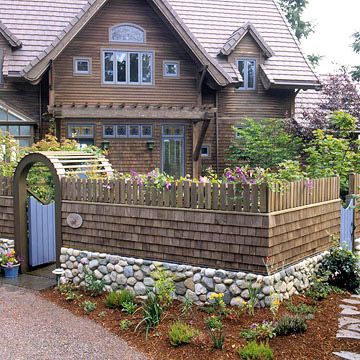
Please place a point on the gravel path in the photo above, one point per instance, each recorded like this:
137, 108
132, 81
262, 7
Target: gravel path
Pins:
33, 328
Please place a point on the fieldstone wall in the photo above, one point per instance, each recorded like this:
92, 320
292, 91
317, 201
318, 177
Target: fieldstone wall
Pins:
195, 283
6, 245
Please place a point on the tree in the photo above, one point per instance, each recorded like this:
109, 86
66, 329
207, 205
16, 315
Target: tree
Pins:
293, 10
338, 93
263, 144
314, 60
356, 47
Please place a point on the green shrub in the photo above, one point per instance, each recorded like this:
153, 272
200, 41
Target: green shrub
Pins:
89, 306
340, 268
320, 289
164, 286
260, 332
186, 306
288, 325
93, 286
117, 299
215, 327
125, 325
301, 309
181, 333
129, 307
255, 351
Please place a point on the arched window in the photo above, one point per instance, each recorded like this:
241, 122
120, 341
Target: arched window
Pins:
127, 33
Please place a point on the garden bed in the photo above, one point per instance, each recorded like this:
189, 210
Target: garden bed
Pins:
317, 343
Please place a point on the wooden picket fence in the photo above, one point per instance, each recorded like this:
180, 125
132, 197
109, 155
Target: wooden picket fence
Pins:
354, 184
191, 195
6, 185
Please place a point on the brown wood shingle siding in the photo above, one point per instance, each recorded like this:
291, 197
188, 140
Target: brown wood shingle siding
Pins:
6, 217
95, 36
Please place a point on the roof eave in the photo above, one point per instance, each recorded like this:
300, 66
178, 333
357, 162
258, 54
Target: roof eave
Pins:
13, 41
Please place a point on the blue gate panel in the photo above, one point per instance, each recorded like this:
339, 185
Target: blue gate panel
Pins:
347, 226
42, 243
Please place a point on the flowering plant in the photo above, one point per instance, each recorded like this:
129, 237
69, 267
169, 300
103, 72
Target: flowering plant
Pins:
9, 259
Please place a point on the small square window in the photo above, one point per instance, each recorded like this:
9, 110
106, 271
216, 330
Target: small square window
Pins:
25, 131
109, 131
172, 69
81, 131
121, 131
146, 131
134, 131
205, 151
14, 130
82, 66
24, 143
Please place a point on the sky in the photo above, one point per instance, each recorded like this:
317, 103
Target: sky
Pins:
336, 21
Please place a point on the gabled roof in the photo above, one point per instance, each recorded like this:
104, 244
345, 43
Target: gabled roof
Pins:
9, 36
239, 34
15, 112
204, 25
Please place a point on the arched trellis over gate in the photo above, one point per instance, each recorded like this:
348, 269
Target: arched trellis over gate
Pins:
60, 164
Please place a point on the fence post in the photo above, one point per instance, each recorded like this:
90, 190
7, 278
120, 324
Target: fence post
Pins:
264, 198
351, 184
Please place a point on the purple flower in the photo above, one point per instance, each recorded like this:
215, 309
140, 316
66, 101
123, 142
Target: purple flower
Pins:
167, 185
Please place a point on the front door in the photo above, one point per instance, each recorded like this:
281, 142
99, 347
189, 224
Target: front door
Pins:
173, 149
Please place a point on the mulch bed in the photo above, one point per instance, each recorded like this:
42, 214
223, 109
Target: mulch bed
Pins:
319, 341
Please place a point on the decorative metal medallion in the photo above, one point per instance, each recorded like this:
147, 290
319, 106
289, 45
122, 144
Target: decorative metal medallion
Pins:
75, 221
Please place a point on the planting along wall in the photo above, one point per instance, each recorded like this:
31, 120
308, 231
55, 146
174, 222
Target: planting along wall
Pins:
212, 239
196, 283
6, 245
6, 217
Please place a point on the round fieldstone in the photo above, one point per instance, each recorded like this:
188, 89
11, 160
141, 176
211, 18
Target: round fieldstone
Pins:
210, 272
121, 279
107, 279
110, 267
241, 275
122, 263
76, 281
128, 271
69, 265
119, 269
217, 280
85, 261
131, 281
136, 267
180, 288
103, 269
138, 275
242, 284
145, 269
250, 277
62, 259
228, 281
72, 258
113, 276
237, 301
189, 284
191, 295
69, 251
75, 272
131, 261
245, 294
179, 277
80, 268
139, 262
94, 264
140, 288
148, 281
235, 290
221, 274
98, 274
267, 290
68, 274
208, 283
197, 277
220, 288
200, 289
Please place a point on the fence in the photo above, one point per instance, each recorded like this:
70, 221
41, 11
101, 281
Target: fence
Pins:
187, 194
6, 186
354, 184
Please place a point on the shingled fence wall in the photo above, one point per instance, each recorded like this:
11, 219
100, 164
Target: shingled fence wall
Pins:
241, 228
6, 208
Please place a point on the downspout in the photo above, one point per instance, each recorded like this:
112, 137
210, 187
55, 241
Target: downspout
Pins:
217, 130
40, 112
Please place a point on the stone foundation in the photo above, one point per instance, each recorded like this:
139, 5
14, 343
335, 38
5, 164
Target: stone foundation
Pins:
6, 245
195, 283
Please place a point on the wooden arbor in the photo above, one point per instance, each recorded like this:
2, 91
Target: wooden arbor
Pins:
60, 164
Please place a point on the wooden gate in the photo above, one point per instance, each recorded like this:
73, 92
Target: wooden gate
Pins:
42, 243
347, 226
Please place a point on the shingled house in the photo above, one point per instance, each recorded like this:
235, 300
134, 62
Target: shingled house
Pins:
161, 83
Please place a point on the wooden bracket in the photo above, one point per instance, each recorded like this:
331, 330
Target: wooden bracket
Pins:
200, 140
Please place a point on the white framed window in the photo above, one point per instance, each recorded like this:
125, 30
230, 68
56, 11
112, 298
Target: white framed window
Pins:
81, 131
127, 67
171, 69
247, 69
82, 66
128, 131
127, 33
205, 151
23, 134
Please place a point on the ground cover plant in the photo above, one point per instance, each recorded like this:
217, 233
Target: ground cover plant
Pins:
185, 331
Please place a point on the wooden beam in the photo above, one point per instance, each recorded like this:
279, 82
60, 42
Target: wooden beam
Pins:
200, 139
202, 77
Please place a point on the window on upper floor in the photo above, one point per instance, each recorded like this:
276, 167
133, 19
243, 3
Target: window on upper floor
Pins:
171, 69
127, 33
127, 67
82, 66
247, 69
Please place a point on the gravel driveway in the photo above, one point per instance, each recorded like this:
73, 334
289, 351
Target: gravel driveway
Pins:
35, 329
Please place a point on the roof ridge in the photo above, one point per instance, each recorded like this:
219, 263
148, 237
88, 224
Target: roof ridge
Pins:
9, 36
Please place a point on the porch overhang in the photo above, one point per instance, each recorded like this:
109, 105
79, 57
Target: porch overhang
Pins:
134, 111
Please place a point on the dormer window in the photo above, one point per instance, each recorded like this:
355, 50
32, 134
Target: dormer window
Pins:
247, 69
127, 33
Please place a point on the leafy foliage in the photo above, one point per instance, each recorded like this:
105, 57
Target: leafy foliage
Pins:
320, 289
314, 60
125, 325
129, 307
340, 268
215, 328
301, 309
181, 333
116, 299
355, 73
89, 306
255, 351
288, 325
93, 286
259, 332
264, 143
164, 286
293, 10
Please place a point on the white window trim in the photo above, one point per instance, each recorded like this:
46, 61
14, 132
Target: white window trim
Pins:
171, 62
126, 42
246, 60
128, 136
146, 136
82, 73
134, 136
70, 135
208, 151
140, 68
109, 136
